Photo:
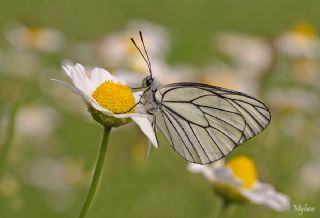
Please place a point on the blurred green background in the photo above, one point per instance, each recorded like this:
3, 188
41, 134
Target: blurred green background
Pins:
48, 166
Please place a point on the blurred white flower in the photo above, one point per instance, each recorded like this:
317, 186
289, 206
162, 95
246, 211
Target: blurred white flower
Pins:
237, 181
297, 125
165, 73
29, 63
110, 101
300, 99
307, 71
66, 101
32, 37
55, 175
251, 54
314, 146
58, 178
36, 123
162, 72
47, 174
117, 51
221, 75
299, 42
309, 178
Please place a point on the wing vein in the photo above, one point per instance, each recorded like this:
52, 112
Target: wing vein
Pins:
221, 120
181, 138
183, 130
199, 141
214, 142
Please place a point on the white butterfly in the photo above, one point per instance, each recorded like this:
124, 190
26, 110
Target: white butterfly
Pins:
202, 123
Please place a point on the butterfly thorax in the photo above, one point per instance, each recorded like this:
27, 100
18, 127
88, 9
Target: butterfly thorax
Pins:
148, 98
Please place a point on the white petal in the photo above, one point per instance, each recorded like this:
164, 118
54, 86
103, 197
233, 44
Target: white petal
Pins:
266, 195
109, 113
127, 115
225, 175
146, 127
75, 90
71, 88
77, 73
67, 70
137, 96
131, 78
99, 108
204, 169
96, 105
99, 75
78, 79
139, 107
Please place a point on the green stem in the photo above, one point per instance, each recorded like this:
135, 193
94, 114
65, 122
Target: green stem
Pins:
224, 210
9, 134
218, 211
97, 172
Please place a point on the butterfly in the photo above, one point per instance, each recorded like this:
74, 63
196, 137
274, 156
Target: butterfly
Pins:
202, 123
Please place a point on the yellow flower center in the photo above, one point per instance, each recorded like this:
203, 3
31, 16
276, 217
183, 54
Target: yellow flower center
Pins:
243, 168
115, 97
304, 29
33, 36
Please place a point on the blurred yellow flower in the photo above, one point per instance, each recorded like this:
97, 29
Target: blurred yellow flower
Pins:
243, 168
9, 186
304, 29
10, 191
236, 181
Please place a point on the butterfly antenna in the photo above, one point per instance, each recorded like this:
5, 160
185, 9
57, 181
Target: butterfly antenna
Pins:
145, 50
144, 58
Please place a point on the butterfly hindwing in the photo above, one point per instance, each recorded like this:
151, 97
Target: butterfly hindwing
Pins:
204, 123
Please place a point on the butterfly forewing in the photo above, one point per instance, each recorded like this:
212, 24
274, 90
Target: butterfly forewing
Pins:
204, 123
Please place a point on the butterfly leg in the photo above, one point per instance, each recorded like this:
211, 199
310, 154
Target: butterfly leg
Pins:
154, 126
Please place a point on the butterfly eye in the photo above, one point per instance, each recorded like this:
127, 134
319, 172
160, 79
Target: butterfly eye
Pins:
149, 81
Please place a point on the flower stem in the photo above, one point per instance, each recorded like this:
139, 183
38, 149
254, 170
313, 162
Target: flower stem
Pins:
8, 138
97, 172
224, 210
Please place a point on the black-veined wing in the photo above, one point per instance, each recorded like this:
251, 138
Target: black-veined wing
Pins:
204, 123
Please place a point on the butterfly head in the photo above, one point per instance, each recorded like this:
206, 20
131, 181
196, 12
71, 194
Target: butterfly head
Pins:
147, 81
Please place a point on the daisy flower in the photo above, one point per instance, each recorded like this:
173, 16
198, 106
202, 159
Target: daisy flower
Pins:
36, 123
116, 51
112, 103
299, 42
32, 37
236, 181
109, 100
222, 75
251, 54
